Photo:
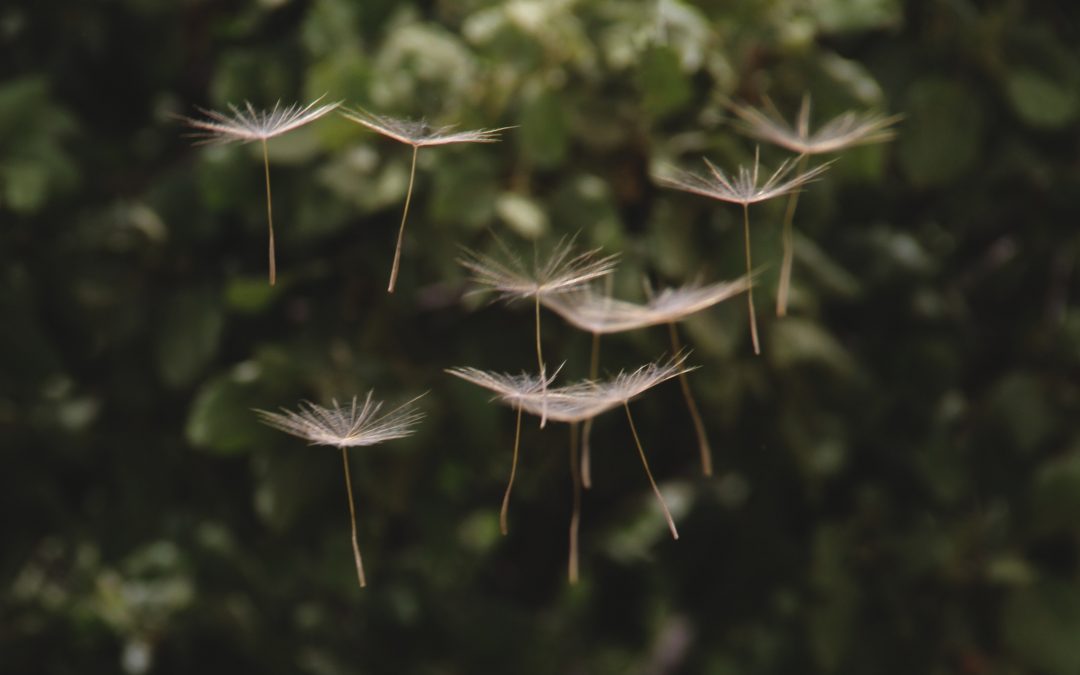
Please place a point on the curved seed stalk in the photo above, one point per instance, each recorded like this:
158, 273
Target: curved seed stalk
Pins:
586, 431
691, 404
513, 472
352, 520
269, 213
575, 516
404, 216
788, 241
540, 363
750, 281
645, 463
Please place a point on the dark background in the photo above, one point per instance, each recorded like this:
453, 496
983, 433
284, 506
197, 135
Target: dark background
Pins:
898, 475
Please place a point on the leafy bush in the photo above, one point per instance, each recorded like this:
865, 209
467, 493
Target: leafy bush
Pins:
895, 485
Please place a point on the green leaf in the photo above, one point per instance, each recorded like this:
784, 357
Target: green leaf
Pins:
522, 214
825, 271
1020, 406
188, 335
284, 485
833, 616
244, 75
221, 420
1040, 625
249, 295
421, 62
1055, 494
226, 178
25, 186
795, 341
33, 162
853, 77
291, 149
27, 114
664, 86
942, 132
330, 27
844, 16
544, 132
646, 526
671, 242
464, 188
1041, 101
584, 203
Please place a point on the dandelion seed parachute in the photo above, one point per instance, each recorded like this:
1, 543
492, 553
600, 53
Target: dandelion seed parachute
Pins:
742, 188
578, 402
344, 427
418, 134
847, 130
248, 125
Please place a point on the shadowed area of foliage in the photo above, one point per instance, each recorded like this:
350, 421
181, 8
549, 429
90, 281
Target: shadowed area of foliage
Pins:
896, 481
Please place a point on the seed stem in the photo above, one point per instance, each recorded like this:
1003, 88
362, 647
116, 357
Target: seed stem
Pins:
513, 472
575, 516
645, 463
269, 213
540, 362
352, 519
788, 241
586, 430
750, 280
404, 215
691, 404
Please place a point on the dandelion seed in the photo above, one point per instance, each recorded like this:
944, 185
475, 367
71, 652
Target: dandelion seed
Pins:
247, 125
589, 398
417, 134
563, 272
583, 400
599, 313
345, 427
844, 131
743, 188
575, 513
509, 388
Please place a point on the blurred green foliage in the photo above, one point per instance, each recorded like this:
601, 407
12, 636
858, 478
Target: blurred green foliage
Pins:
898, 485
